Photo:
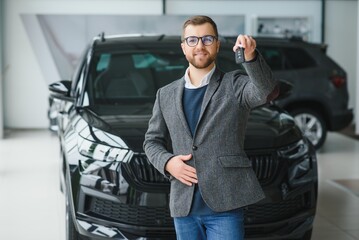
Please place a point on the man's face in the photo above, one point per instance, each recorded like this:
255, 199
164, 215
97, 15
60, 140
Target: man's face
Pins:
200, 56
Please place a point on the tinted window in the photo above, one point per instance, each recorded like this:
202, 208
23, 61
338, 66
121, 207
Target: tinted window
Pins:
226, 62
274, 58
299, 58
130, 79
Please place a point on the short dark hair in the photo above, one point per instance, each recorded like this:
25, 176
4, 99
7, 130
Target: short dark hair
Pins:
199, 20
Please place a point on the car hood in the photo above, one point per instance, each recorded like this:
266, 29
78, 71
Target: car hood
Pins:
268, 127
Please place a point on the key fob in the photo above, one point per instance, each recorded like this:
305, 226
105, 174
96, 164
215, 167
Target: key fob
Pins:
239, 55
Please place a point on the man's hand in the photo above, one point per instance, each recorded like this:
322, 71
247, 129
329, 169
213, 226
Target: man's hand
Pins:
249, 44
180, 170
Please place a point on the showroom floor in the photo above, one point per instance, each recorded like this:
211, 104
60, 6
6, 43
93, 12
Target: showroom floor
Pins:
32, 207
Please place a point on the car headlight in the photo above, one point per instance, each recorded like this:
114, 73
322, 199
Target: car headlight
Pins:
295, 151
101, 170
102, 152
299, 170
300, 162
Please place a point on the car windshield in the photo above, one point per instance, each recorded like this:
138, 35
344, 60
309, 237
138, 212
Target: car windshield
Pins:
126, 83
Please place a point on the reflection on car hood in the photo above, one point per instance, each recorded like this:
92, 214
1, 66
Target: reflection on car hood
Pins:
267, 128
270, 127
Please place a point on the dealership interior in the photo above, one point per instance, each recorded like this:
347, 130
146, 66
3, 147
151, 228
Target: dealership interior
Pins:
40, 41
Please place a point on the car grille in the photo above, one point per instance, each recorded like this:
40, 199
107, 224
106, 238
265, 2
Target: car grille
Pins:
124, 213
144, 170
274, 211
265, 166
160, 216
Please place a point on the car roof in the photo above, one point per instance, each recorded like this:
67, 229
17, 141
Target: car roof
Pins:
135, 38
104, 41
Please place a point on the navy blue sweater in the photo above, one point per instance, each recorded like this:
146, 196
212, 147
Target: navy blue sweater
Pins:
192, 102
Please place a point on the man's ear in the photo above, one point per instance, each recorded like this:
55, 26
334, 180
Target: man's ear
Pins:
218, 45
183, 48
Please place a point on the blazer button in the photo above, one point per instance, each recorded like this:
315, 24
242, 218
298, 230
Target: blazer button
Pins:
194, 148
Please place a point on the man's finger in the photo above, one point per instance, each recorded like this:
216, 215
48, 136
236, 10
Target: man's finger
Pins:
182, 180
189, 179
185, 157
191, 174
190, 169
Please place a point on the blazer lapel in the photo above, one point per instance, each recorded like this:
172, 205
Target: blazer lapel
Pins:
211, 89
178, 94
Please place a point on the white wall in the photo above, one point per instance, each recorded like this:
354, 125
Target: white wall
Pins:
1, 70
252, 9
25, 89
357, 78
341, 36
24, 86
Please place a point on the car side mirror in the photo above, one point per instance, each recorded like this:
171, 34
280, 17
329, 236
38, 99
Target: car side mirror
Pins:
282, 90
61, 90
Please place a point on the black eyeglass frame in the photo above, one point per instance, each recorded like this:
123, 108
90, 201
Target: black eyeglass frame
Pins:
205, 36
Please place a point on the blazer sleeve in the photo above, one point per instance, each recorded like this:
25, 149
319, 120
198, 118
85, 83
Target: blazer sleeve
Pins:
258, 87
157, 141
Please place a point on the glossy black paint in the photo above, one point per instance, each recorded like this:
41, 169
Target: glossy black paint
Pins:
113, 191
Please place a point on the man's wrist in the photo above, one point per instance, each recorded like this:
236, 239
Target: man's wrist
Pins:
166, 172
252, 58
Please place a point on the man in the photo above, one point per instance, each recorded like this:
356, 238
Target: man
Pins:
196, 135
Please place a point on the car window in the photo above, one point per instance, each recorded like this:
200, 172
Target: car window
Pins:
103, 62
274, 58
226, 62
135, 76
299, 58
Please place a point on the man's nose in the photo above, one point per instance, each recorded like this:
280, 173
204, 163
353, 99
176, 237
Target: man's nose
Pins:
200, 43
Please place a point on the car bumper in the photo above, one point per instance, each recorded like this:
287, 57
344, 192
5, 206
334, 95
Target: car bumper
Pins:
292, 228
340, 120
89, 229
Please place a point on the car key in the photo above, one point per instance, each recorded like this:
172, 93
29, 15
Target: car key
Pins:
239, 55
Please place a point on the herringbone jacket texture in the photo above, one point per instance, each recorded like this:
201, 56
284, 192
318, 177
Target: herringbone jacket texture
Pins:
225, 176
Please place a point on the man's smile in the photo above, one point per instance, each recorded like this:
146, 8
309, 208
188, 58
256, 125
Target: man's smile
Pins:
200, 54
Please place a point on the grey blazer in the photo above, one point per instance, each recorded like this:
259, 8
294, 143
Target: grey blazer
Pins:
225, 177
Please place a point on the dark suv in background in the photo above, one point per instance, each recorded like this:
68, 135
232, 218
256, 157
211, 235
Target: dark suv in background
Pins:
111, 189
319, 97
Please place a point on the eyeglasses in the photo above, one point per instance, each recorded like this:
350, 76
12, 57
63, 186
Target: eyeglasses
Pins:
207, 40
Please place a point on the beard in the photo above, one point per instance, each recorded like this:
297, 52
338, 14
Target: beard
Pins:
201, 62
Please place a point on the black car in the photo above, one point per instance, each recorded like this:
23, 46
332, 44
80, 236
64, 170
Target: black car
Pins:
319, 98
111, 189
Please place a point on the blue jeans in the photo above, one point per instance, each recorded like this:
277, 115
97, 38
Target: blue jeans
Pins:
219, 226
